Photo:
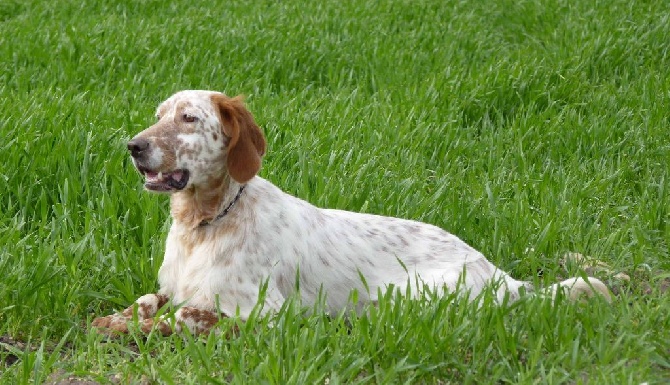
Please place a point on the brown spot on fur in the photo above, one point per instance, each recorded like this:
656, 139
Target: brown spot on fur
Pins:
162, 300
200, 321
128, 312
144, 311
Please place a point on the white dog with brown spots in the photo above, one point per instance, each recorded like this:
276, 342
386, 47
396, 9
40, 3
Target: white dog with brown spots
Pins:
232, 231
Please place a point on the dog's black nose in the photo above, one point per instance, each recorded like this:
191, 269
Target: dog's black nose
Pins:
137, 146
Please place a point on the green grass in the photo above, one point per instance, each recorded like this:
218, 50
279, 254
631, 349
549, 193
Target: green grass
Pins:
513, 124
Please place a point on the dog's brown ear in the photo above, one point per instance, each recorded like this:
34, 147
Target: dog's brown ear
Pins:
246, 144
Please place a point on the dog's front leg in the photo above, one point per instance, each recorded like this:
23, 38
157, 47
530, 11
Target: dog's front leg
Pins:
147, 306
197, 321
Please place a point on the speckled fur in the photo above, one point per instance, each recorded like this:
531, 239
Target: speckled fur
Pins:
270, 236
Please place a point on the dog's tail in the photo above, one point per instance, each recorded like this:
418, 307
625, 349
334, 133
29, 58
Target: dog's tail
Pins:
573, 289
578, 288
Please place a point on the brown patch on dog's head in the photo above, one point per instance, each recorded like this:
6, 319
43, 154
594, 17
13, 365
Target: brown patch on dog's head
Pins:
246, 143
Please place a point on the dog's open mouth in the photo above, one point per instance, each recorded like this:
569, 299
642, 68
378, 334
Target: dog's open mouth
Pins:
165, 181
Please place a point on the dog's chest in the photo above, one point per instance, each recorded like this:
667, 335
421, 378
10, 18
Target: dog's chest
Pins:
195, 265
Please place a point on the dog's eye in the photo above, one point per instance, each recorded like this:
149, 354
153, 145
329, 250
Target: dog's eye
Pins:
189, 118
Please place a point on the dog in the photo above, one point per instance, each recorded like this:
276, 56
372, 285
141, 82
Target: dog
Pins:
233, 232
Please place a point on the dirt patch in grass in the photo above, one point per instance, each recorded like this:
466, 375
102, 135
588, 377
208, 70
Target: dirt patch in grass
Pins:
8, 349
60, 377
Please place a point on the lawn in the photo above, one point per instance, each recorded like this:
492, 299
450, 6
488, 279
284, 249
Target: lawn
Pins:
527, 128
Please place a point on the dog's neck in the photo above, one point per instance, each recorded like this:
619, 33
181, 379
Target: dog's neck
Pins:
205, 204
226, 209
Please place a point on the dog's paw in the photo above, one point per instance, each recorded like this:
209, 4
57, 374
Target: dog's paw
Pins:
161, 325
196, 321
148, 305
113, 324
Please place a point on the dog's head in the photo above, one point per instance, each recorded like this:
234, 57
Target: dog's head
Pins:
200, 136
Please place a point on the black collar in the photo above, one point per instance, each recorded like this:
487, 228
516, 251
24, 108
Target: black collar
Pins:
226, 210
